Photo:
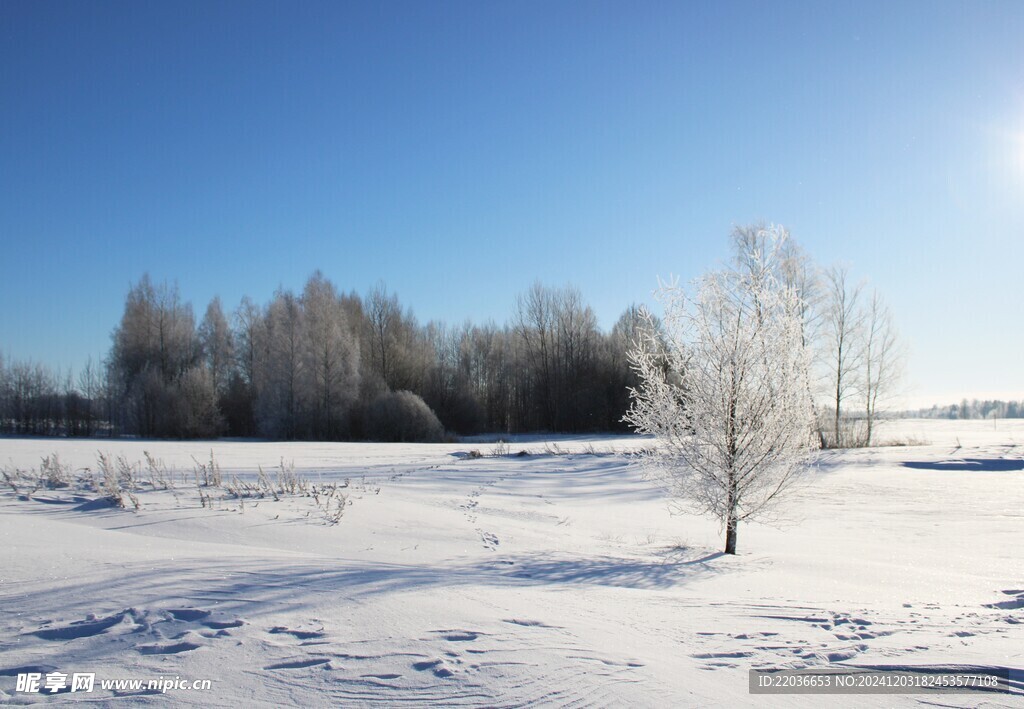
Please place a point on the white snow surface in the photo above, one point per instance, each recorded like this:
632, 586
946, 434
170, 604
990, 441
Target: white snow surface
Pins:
555, 578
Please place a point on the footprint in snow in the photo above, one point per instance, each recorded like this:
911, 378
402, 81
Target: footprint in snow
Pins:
26, 669
436, 667
458, 636
200, 617
92, 625
297, 634
173, 649
80, 629
528, 623
298, 664
722, 655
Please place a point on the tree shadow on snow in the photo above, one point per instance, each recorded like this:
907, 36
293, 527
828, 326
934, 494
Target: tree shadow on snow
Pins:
982, 465
251, 588
100, 619
603, 570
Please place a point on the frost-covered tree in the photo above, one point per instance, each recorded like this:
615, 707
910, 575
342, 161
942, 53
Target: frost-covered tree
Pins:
156, 331
198, 415
154, 344
619, 376
216, 344
281, 397
399, 350
731, 412
793, 268
332, 358
249, 339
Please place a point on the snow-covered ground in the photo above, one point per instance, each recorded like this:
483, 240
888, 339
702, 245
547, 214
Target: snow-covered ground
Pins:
557, 577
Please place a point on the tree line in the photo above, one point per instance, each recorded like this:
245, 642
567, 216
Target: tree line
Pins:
37, 401
322, 364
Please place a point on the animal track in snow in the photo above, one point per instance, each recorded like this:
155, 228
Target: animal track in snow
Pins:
490, 540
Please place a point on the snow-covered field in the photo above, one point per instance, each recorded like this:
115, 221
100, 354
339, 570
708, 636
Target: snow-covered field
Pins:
556, 578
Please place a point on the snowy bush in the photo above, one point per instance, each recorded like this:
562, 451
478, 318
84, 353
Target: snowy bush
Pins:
403, 416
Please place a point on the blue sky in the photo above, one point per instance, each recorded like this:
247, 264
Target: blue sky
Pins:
461, 150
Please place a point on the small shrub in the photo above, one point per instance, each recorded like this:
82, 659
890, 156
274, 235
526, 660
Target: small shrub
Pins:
159, 476
288, 482
21, 483
208, 473
330, 501
402, 416
116, 481
552, 448
55, 473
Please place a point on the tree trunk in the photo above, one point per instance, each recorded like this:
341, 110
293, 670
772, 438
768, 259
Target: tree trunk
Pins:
837, 443
730, 533
819, 422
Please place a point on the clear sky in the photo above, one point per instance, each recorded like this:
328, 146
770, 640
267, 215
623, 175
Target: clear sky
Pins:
461, 150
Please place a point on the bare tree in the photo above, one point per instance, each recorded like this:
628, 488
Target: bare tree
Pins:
736, 427
449, 386
534, 324
843, 344
882, 361
491, 375
384, 317
89, 386
577, 336
399, 352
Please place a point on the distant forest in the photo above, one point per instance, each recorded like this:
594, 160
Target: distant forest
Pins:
973, 409
325, 365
